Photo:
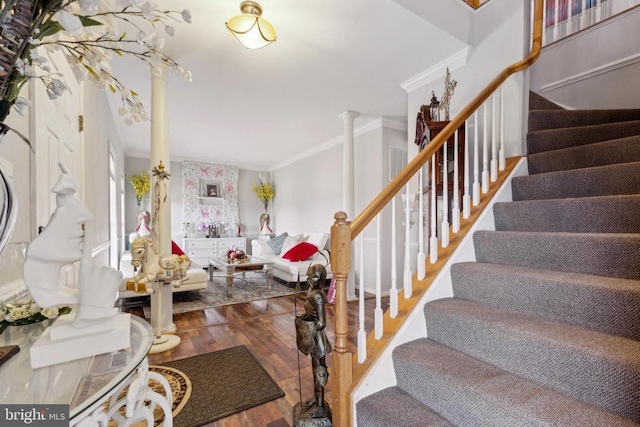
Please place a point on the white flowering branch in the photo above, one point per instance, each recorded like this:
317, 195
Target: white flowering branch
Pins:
87, 32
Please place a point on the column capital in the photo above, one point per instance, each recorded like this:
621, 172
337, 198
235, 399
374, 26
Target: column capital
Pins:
159, 72
349, 115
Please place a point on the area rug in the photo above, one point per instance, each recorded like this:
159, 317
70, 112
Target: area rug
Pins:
180, 393
224, 382
252, 287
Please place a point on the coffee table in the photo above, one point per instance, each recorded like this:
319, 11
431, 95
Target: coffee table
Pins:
252, 264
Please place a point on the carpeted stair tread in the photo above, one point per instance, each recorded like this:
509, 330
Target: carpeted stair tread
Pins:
393, 406
553, 139
602, 214
544, 328
621, 150
553, 119
600, 254
599, 369
537, 102
604, 304
586, 182
471, 392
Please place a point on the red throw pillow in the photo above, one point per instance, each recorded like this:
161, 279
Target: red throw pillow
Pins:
175, 249
300, 252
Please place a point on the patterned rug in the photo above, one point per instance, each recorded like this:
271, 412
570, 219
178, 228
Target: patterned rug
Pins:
180, 391
252, 287
224, 382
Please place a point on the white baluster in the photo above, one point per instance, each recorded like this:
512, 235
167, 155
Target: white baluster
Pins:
433, 241
485, 152
544, 22
466, 198
406, 283
445, 195
378, 309
494, 142
393, 296
455, 208
422, 257
476, 162
362, 334
556, 24
502, 161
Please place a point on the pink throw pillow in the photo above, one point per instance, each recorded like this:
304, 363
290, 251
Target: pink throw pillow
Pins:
300, 252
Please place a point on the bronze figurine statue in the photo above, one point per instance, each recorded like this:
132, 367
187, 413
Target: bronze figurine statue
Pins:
312, 340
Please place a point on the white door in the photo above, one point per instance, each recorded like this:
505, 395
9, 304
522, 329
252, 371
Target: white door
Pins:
55, 138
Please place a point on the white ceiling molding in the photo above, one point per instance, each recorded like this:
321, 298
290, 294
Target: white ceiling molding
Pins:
180, 159
361, 130
455, 61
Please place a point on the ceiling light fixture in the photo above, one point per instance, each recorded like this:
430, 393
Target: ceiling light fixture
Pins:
249, 29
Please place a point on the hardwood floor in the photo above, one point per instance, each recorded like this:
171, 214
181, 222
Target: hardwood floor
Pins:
266, 327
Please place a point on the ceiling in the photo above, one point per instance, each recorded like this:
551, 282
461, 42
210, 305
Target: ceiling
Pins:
257, 109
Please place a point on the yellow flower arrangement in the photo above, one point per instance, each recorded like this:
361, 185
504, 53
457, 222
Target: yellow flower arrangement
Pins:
264, 191
141, 184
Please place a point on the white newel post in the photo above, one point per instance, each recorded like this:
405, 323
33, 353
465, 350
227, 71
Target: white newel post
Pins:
348, 186
162, 299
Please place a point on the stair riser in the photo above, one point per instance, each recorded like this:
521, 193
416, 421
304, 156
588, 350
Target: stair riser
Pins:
590, 182
607, 153
608, 214
598, 254
572, 118
555, 139
596, 368
601, 304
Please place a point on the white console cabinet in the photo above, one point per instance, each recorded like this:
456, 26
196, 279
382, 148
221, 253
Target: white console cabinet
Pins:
199, 249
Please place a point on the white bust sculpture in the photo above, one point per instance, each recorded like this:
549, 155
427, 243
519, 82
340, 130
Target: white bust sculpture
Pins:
65, 240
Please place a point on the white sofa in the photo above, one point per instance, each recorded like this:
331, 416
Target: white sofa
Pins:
196, 278
285, 269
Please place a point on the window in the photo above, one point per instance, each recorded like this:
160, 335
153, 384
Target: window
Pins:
113, 213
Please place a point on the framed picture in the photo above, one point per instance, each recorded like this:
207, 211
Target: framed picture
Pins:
212, 190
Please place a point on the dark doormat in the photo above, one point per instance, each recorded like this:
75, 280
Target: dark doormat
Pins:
223, 382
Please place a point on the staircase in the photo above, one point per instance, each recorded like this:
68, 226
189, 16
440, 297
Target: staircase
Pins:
544, 328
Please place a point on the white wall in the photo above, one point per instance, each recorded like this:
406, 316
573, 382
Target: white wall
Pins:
496, 47
595, 68
100, 136
454, 17
309, 192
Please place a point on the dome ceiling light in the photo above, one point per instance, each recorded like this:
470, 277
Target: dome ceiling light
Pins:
250, 29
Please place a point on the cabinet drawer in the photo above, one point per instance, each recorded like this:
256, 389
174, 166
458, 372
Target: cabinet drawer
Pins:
202, 244
238, 242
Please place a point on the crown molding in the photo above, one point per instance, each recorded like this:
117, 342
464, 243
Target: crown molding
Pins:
455, 61
360, 130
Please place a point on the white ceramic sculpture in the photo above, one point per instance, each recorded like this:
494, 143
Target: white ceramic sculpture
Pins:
66, 240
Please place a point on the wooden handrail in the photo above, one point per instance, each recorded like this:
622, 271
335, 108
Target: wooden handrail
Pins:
343, 232
369, 213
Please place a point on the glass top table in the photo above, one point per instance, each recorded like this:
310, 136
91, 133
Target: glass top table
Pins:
232, 268
79, 383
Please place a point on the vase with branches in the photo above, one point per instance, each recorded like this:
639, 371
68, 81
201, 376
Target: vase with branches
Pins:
265, 192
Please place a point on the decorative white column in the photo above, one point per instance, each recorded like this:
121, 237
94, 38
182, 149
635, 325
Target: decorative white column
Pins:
162, 299
348, 186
